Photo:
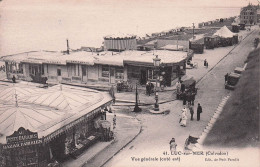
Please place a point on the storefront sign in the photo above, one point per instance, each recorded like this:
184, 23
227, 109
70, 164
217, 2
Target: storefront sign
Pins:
79, 62
26, 143
21, 135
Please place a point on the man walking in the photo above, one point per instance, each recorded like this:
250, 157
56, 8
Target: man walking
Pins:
199, 110
191, 112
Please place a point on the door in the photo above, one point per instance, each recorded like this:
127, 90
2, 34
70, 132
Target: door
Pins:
112, 75
84, 73
143, 78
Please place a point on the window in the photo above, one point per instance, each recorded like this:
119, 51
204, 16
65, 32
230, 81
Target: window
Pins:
105, 71
84, 70
119, 73
134, 72
20, 68
151, 74
42, 67
58, 72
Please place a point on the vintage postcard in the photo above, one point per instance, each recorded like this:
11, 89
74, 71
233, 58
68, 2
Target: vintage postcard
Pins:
141, 83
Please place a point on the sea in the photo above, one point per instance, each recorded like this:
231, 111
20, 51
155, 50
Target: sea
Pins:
38, 27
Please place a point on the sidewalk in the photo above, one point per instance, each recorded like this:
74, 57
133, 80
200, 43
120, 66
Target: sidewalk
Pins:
126, 130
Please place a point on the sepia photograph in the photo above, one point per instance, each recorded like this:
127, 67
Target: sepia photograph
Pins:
129, 83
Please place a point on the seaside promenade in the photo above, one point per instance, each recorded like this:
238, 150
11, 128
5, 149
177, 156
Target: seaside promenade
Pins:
144, 126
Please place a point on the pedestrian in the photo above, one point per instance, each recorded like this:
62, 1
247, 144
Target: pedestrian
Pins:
183, 121
148, 88
13, 79
189, 97
192, 97
199, 110
191, 112
178, 87
173, 146
205, 62
184, 96
182, 87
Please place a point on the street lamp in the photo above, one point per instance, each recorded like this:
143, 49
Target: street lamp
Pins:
137, 108
156, 63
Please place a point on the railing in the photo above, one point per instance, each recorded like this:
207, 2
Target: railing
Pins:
52, 77
65, 79
76, 78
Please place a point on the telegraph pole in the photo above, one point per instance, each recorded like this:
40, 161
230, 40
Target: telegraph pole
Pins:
193, 30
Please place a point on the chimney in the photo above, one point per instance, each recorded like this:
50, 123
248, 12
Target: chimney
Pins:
68, 49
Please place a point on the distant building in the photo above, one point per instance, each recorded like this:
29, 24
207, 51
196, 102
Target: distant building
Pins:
248, 14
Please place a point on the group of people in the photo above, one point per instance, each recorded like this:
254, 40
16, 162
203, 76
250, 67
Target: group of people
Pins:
2, 68
187, 96
149, 88
184, 114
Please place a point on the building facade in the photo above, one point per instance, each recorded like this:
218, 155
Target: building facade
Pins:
56, 129
104, 68
248, 15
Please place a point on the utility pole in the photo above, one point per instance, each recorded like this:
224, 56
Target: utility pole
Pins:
137, 108
193, 30
68, 48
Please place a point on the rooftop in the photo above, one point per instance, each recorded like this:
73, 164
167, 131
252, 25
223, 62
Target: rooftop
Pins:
48, 110
105, 57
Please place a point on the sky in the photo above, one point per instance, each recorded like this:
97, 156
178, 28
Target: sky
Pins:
46, 24
130, 3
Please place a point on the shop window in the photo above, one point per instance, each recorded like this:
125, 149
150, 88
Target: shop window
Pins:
105, 71
119, 73
151, 74
134, 72
58, 72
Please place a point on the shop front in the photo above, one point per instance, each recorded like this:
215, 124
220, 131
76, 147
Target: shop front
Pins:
24, 148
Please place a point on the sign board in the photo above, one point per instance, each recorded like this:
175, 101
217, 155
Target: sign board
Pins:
21, 135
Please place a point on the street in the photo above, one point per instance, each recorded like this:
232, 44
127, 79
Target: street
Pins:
159, 129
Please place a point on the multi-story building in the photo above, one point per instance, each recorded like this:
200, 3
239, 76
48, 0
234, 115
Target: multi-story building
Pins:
248, 14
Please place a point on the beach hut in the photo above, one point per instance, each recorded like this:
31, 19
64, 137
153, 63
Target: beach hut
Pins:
235, 27
196, 46
226, 36
235, 39
209, 42
242, 26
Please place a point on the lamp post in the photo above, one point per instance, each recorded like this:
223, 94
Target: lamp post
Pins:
137, 108
156, 62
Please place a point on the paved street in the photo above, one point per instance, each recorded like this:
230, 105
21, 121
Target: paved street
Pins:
159, 129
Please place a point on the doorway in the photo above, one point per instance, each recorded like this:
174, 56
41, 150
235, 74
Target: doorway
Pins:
112, 75
143, 78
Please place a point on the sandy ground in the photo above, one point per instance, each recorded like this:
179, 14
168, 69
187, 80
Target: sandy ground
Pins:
159, 129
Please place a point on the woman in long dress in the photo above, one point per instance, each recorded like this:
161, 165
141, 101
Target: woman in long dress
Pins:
173, 146
184, 117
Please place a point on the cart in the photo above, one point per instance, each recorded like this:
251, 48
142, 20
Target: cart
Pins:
232, 80
189, 87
